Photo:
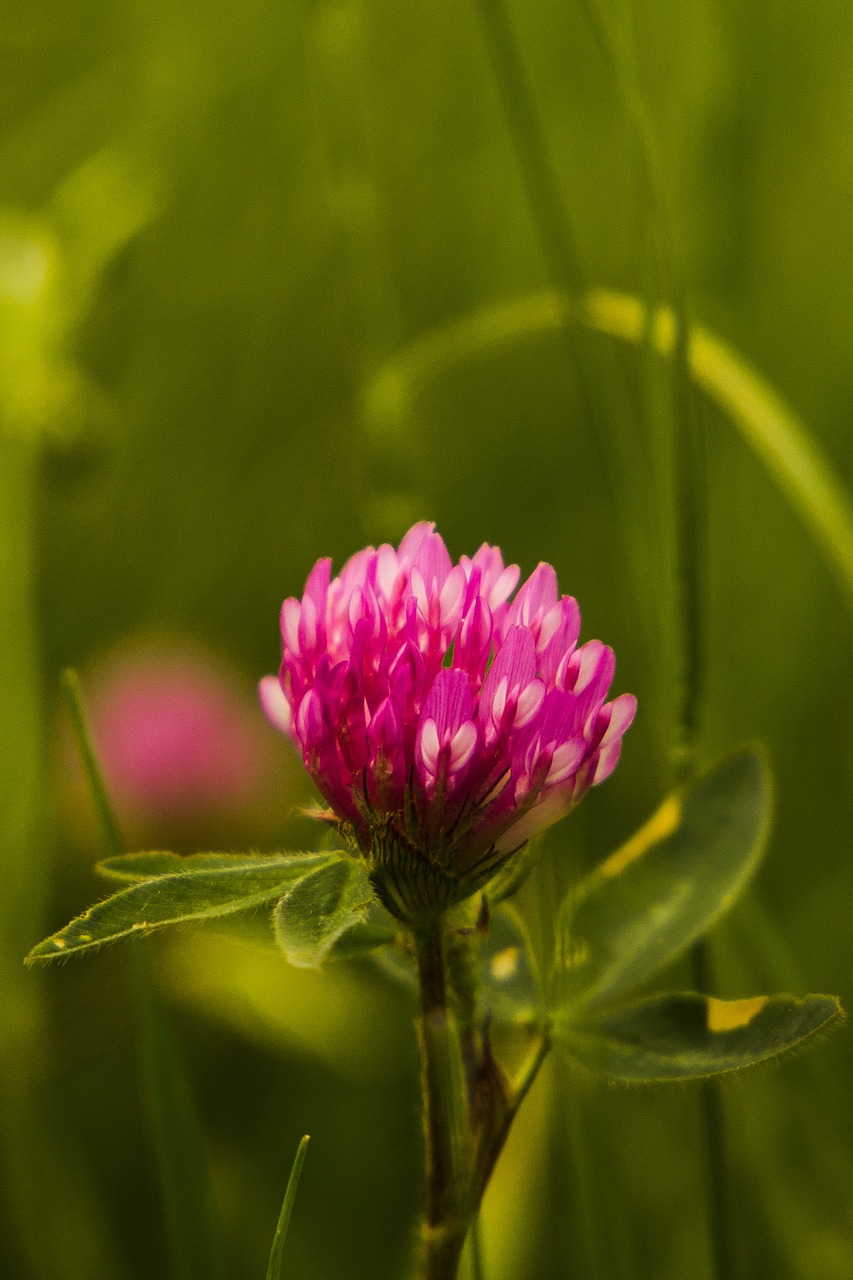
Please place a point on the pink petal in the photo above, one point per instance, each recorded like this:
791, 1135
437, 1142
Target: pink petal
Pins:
516, 665
462, 746
452, 596
317, 586
434, 562
291, 612
536, 597
274, 704
412, 541
387, 570
607, 760
620, 713
565, 761
449, 702
430, 746
529, 702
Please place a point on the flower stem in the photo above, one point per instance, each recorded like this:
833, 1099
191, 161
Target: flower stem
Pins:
449, 1211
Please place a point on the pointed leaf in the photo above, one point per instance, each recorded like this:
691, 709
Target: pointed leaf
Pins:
131, 868
195, 892
320, 908
689, 1036
510, 987
664, 888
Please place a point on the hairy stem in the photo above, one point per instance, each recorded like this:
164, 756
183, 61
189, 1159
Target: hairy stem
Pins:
448, 1211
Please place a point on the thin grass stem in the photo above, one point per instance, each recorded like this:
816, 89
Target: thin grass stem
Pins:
525, 126
110, 834
187, 1195
689, 496
276, 1262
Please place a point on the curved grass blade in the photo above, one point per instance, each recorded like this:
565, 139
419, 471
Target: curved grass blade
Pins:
663, 889
688, 1036
765, 421
188, 894
274, 1271
768, 425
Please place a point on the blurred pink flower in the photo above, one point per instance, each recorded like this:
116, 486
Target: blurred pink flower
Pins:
177, 737
441, 717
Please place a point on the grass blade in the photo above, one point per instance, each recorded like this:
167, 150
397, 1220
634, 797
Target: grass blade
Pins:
274, 1271
187, 1196
765, 421
110, 834
182, 1164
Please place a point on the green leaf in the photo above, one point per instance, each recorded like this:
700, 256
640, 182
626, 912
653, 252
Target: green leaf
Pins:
274, 1271
689, 1036
377, 929
197, 891
510, 987
321, 908
131, 868
664, 888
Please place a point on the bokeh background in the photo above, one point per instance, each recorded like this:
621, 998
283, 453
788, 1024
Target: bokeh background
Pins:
220, 226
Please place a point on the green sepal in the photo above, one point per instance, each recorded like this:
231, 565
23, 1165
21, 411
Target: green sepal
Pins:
663, 889
321, 908
688, 1036
199, 889
510, 986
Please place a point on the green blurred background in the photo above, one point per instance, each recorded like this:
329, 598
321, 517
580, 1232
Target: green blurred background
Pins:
218, 225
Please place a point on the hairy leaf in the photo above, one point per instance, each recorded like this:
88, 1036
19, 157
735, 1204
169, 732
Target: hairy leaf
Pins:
377, 929
131, 868
689, 1036
321, 908
196, 891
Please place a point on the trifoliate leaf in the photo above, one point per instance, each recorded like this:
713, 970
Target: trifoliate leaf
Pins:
198, 889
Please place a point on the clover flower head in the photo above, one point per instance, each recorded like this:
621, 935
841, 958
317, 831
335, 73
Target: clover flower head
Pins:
444, 719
